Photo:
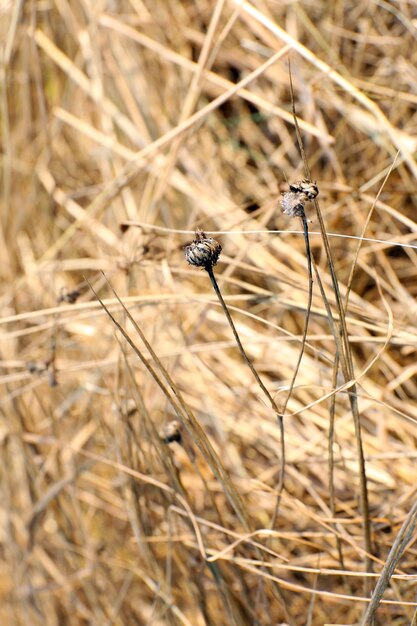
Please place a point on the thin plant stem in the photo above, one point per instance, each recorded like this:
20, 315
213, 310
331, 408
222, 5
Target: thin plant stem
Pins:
181, 408
308, 312
300, 356
336, 365
332, 496
209, 269
204, 252
395, 554
344, 357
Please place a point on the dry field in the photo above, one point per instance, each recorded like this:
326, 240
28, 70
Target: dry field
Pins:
172, 116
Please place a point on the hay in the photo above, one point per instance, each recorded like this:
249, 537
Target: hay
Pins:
176, 116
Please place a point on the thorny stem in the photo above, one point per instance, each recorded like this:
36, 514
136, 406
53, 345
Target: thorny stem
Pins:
209, 269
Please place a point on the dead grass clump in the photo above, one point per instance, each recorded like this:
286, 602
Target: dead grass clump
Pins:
177, 116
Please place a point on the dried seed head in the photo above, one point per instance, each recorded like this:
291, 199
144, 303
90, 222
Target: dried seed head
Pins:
126, 408
293, 201
306, 188
68, 296
293, 204
203, 251
37, 367
171, 432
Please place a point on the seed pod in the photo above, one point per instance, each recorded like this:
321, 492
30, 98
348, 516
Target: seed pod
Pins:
305, 187
203, 251
37, 367
68, 296
293, 201
171, 432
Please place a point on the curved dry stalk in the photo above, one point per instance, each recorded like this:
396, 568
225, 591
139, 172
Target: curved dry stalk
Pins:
395, 554
249, 363
344, 355
204, 252
280, 485
183, 412
308, 311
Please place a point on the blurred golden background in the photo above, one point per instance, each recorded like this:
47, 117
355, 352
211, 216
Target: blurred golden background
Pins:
177, 115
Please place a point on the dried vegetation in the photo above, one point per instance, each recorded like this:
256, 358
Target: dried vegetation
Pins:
177, 115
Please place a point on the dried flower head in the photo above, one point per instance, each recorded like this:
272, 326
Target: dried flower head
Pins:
171, 432
293, 201
68, 296
37, 367
305, 187
203, 251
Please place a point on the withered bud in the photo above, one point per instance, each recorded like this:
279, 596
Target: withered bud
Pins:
68, 296
35, 368
127, 408
293, 201
203, 251
171, 432
306, 188
38, 367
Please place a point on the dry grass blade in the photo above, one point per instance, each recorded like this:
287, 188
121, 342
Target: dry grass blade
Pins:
181, 408
393, 558
344, 357
139, 454
401, 141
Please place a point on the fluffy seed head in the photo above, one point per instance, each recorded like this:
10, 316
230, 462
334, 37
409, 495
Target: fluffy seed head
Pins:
203, 251
293, 201
293, 204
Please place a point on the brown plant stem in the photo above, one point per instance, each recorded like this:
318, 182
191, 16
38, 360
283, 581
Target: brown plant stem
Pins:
344, 355
300, 356
308, 312
209, 269
395, 554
